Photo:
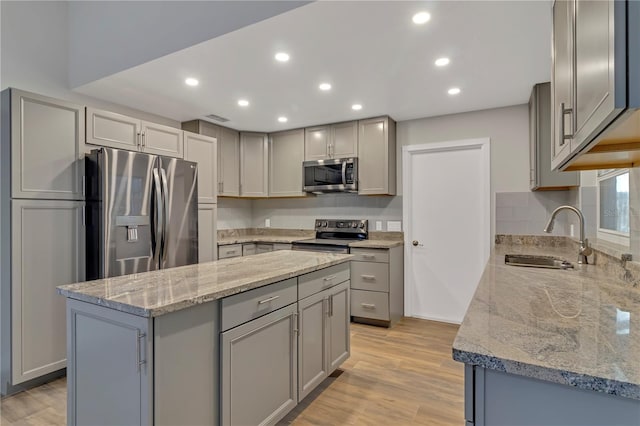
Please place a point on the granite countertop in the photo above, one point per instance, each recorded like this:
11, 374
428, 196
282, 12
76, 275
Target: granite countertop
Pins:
576, 327
288, 239
268, 239
381, 244
155, 293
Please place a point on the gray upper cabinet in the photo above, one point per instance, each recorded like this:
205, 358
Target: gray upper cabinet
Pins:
203, 150
51, 234
161, 140
541, 175
43, 141
286, 154
254, 165
594, 84
562, 80
377, 157
259, 369
105, 128
331, 141
344, 140
316, 143
229, 163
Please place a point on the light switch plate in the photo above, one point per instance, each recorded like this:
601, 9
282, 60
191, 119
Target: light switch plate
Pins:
394, 225
378, 225
267, 223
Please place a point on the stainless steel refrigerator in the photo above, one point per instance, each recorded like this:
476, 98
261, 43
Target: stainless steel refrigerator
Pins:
142, 212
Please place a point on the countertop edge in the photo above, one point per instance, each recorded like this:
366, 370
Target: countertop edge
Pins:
183, 304
563, 377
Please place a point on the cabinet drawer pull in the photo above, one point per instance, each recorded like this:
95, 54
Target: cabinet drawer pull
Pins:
329, 278
368, 277
369, 256
368, 305
268, 299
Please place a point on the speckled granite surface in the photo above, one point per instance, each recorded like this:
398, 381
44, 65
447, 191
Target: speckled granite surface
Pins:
381, 244
377, 239
156, 293
576, 327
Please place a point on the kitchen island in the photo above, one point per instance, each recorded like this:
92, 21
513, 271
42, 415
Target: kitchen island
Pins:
236, 341
551, 347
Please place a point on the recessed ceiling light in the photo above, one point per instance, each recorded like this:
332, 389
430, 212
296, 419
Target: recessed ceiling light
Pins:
421, 18
441, 62
191, 81
283, 119
282, 57
324, 86
243, 102
356, 107
454, 91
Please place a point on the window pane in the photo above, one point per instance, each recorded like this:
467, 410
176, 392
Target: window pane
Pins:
614, 203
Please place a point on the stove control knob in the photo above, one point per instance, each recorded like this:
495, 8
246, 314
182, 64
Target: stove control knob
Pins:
325, 224
354, 224
361, 225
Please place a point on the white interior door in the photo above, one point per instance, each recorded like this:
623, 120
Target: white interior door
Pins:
446, 208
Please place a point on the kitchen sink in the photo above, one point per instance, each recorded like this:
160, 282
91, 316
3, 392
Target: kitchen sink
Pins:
535, 261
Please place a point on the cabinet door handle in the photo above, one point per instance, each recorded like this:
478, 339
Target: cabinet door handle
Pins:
138, 140
143, 141
368, 277
331, 305
564, 111
368, 305
268, 299
139, 360
296, 328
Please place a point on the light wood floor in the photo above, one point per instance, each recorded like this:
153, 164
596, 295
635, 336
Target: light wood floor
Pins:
398, 376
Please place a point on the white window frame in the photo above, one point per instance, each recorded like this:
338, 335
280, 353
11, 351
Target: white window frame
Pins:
609, 235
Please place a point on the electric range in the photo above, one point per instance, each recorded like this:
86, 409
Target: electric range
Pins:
335, 235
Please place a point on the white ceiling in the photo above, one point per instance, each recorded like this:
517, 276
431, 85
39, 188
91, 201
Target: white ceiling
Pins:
371, 52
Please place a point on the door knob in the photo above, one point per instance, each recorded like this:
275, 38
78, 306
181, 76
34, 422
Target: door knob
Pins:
415, 242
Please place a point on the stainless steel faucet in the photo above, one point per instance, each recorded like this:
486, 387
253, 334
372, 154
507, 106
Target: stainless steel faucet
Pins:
585, 250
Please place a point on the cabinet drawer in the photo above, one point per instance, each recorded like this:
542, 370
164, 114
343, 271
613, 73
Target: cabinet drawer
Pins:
370, 255
264, 248
248, 249
314, 282
243, 307
232, 250
370, 276
370, 304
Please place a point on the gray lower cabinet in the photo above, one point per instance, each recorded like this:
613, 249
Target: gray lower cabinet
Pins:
377, 284
259, 369
110, 359
229, 250
47, 250
248, 249
497, 398
324, 340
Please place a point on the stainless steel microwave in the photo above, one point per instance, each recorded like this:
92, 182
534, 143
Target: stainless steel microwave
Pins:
331, 175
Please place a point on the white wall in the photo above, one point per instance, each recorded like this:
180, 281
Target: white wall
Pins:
106, 37
34, 52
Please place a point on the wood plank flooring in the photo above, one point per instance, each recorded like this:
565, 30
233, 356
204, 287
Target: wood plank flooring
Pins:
398, 376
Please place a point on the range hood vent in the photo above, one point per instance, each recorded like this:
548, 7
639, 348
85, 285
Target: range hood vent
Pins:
217, 118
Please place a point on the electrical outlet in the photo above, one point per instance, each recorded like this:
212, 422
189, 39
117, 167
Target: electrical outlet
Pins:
267, 223
378, 225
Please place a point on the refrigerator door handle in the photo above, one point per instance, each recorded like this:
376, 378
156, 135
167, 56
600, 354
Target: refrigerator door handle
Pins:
165, 200
157, 217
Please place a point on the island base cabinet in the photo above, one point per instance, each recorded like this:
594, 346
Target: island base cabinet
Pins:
498, 398
324, 340
108, 378
259, 369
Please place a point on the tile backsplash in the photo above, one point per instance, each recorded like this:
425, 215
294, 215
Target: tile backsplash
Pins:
527, 213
